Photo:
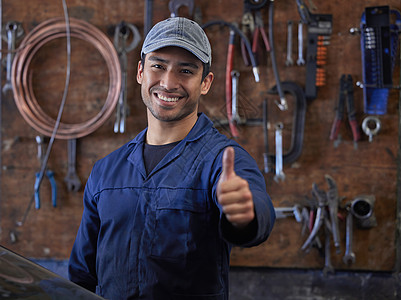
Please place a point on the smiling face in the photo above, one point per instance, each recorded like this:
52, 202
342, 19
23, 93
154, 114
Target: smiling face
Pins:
171, 84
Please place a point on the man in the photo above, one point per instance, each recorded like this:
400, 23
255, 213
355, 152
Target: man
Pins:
162, 212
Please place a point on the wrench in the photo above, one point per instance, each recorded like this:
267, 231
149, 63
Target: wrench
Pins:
349, 256
328, 267
121, 34
301, 60
14, 31
266, 137
284, 212
234, 96
174, 6
72, 179
289, 61
333, 201
279, 153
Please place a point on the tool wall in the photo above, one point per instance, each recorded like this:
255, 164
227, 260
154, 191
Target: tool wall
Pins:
300, 111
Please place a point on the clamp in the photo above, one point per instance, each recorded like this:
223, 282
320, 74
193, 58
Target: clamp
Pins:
346, 97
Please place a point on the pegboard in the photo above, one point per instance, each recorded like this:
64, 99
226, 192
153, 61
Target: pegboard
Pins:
370, 169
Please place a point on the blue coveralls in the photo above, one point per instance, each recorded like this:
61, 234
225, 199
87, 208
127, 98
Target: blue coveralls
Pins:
163, 235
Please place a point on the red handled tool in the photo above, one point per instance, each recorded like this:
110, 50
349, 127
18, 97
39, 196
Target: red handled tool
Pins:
229, 68
346, 98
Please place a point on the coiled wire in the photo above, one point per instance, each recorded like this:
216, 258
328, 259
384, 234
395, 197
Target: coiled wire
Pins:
24, 96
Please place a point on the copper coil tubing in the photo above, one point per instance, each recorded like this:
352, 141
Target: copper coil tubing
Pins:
24, 97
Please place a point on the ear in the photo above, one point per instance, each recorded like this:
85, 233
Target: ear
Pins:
207, 83
139, 73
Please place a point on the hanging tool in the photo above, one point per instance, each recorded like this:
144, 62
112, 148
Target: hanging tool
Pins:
26, 101
328, 266
289, 62
43, 165
248, 46
282, 105
229, 86
327, 213
252, 25
72, 178
318, 25
284, 212
321, 197
379, 43
121, 34
174, 6
349, 256
248, 27
265, 137
279, 153
371, 126
333, 202
49, 174
229, 67
345, 99
297, 134
259, 32
13, 31
235, 97
148, 23
300, 60
362, 207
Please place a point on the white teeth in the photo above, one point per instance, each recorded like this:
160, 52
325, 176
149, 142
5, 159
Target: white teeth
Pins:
175, 99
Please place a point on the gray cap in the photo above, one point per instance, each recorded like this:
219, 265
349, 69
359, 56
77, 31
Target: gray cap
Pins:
179, 32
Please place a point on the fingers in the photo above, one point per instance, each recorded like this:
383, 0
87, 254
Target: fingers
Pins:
240, 213
228, 164
233, 193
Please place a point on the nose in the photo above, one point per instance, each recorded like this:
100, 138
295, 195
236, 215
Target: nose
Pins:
169, 80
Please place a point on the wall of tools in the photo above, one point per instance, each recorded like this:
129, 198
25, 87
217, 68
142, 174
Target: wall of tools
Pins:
309, 88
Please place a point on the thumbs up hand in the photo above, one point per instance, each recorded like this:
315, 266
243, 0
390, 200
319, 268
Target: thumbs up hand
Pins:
233, 193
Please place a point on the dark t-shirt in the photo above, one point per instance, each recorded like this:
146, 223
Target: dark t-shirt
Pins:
153, 154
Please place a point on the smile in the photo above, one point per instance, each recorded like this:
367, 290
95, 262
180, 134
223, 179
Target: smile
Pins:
168, 99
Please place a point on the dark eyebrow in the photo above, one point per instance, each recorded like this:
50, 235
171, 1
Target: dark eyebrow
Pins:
155, 58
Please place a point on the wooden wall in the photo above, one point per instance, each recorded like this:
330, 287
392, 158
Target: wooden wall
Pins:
370, 169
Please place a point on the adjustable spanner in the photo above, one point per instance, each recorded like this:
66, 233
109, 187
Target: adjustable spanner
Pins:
72, 179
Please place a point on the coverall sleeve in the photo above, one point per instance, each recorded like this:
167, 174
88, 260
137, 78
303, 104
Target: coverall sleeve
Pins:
259, 229
82, 263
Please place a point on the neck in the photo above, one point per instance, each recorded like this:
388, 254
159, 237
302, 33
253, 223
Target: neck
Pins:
161, 132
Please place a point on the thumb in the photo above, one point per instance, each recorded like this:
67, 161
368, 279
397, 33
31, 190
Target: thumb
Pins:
228, 164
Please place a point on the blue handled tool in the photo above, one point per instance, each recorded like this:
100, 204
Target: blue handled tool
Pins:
379, 43
49, 174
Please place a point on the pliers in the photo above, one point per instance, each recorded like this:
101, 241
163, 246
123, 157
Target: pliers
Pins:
320, 215
253, 24
330, 200
346, 98
259, 29
50, 176
48, 173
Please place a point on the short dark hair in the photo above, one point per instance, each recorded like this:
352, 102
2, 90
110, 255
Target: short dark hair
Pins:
205, 71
